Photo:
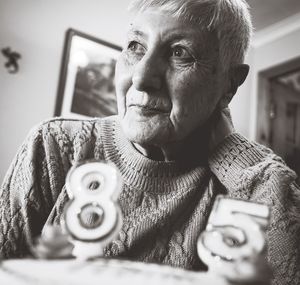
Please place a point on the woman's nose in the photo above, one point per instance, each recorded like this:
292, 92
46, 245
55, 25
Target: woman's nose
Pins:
148, 74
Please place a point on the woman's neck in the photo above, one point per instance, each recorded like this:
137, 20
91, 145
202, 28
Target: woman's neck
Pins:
160, 153
193, 148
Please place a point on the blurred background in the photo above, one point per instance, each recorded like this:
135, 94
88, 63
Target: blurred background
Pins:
267, 108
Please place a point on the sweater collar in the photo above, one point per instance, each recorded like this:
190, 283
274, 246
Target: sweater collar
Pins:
140, 171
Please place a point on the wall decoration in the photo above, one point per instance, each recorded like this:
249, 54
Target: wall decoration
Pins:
12, 58
86, 87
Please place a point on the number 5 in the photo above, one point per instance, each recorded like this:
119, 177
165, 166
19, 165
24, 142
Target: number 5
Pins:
235, 231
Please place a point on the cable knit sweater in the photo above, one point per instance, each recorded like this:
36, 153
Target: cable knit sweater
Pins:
165, 205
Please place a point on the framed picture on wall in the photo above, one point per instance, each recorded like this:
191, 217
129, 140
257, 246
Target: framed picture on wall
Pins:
86, 85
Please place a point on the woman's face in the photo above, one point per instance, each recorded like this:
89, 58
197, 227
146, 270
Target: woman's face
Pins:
168, 79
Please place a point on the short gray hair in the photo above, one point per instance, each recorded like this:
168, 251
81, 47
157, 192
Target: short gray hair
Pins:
230, 19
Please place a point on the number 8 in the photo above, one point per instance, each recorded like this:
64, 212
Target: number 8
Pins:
93, 215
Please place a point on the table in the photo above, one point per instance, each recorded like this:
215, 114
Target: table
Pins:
98, 271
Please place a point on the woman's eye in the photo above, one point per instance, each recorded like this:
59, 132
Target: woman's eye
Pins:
136, 48
180, 53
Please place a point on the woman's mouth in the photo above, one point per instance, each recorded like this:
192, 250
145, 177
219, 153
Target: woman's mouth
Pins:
148, 109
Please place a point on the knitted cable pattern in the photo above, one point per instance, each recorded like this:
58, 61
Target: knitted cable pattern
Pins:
165, 205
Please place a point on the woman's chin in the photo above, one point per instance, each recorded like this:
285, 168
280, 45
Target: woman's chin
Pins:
146, 132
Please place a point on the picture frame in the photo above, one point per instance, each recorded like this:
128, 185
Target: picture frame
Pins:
86, 85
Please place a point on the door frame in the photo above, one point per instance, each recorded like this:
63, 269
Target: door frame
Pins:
264, 97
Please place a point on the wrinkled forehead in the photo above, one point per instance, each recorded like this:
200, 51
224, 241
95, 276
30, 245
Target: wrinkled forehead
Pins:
152, 23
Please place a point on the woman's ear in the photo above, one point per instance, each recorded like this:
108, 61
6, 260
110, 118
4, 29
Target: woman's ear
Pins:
236, 75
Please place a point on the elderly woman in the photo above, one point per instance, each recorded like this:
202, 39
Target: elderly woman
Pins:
173, 142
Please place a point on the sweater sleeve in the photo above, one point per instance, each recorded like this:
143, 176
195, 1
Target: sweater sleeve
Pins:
252, 172
28, 192
33, 191
21, 199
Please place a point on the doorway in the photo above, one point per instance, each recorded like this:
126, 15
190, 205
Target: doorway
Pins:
278, 124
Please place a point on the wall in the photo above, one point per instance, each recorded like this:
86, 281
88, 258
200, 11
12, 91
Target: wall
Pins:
36, 29
272, 46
